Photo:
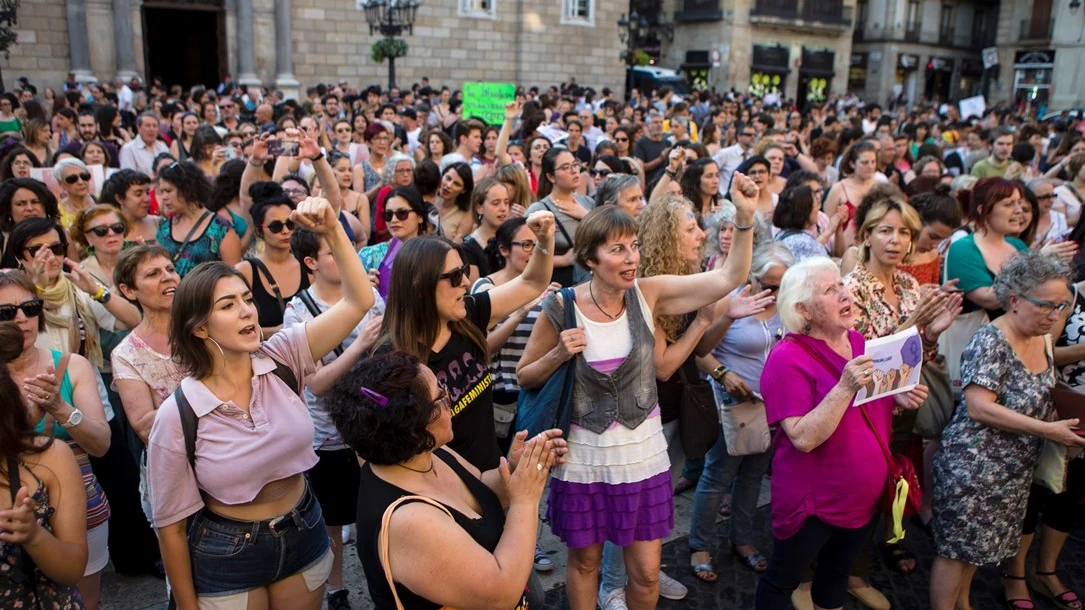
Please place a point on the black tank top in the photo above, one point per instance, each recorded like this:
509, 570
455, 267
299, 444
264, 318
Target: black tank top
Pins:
375, 495
266, 303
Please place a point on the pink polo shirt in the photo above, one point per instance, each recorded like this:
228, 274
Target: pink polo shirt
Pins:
841, 480
237, 453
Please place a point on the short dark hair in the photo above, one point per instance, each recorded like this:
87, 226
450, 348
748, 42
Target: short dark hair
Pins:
129, 260
427, 177
328, 96
9, 158
388, 433
464, 128
205, 136
266, 194
597, 227
305, 244
28, 230
502, 239
794, 208
116, 186
7, 193
463, 201
189, 181
192, 305
801, 177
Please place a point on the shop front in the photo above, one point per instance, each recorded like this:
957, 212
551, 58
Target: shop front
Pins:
905, 86
1032, 71
971, 77
815, 77
769, 70
857, 73
939, 79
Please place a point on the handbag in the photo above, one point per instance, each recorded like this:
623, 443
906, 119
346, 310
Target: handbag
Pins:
698, 421
902, 496
550, 405
953, 341
935, 413
384, 546
745, 427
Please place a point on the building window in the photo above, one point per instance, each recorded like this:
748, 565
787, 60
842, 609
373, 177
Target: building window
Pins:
479, 9
863, 11
578, 12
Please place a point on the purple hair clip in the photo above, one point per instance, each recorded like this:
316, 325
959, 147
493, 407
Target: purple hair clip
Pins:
374, 396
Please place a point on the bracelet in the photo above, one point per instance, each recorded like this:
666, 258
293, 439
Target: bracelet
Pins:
97, 296
543, 250
670, 173
318, 157
739, 227
255, 163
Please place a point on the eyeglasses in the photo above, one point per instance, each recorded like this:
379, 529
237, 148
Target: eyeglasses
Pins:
21, 163
1047, 196
1046, 307
621, 139
85, 177
116, 228
599, 173
569, 167
747, 134
757, 172
56, 249
277, 226
455, 277
381, 139
444, 400
344, 130
405, 171
296, 192
400, 214
31, 309
527, 244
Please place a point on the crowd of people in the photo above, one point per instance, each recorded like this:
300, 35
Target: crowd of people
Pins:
240, 332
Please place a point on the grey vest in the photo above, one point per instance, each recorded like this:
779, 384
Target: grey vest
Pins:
629, 394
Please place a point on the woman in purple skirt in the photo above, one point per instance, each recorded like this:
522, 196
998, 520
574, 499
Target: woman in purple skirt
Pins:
616, 484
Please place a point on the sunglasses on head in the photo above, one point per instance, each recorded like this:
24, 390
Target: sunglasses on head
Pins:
400, 214
85, 177
277, 226
455, 277
56, 249
116, 228
31, 309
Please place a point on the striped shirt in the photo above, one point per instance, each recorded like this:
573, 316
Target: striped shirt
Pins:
503, 363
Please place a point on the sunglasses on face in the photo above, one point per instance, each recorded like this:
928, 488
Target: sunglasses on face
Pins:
116, 228
400, 214
621, 139
277, 226
56, 249
85, 177
455, 277
599, 173
31, 309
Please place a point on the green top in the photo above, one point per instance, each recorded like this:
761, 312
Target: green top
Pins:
12, 125
985, 169
965, 263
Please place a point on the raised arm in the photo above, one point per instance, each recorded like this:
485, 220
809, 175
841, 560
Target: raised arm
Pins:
327, 331
254, 169
519, 291
512, 110
325, 176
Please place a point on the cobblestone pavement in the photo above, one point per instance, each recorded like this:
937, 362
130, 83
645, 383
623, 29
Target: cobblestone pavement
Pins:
734, 589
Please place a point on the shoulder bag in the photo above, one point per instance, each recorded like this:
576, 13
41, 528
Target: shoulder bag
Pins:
550, 406
698, 421
188, 238
745, 427
902, 496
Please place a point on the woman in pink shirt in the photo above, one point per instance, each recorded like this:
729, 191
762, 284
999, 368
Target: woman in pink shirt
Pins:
828, 468
257, 536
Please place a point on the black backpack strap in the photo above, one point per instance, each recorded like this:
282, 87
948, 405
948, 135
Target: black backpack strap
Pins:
311, 305
189, 422
13, 477
287, 376
258, 267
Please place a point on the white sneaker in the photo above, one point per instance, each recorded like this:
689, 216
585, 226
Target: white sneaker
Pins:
615, 600
348, 534
670, 588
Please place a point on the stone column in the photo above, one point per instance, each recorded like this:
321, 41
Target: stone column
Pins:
284, 51
78, 43
246, 55
122, 40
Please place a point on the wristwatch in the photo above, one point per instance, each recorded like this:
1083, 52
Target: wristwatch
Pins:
74, 419
719, 373
106, 295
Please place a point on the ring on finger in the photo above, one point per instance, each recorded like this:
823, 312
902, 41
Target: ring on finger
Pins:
539, 466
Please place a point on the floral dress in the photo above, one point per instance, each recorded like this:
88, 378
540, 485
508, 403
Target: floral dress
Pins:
201, 249
1073, 373
22, 588
982, 475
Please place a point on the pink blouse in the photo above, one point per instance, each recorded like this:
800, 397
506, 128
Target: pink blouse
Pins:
841, 480
237, 453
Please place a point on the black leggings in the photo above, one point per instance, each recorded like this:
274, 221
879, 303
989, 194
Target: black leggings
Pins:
835, 550
1059, 510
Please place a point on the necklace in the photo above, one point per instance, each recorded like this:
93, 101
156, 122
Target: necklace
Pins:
600, 307
424, 471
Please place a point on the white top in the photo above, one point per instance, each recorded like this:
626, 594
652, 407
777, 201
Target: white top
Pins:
1067, 203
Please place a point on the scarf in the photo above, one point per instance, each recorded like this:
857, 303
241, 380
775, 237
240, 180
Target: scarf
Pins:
64, 293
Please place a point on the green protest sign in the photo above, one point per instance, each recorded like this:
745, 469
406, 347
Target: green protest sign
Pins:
487, 101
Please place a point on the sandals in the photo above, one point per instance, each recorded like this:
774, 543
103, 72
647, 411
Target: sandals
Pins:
705, 572
894, 554
1062, 600
1017, 604
683, 485
755, 560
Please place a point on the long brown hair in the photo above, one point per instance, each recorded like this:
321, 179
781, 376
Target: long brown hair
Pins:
17, 437
411, 322
192, 306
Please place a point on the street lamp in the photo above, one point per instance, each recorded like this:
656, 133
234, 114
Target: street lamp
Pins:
634, 32
390, 18
8, 9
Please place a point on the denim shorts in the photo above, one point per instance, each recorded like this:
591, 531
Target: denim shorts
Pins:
231, 556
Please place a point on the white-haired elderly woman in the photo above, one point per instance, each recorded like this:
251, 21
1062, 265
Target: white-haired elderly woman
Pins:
624, 191
983, 468
75, 181
736, 347
829, 466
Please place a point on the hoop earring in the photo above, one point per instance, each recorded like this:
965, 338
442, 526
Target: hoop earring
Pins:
222, 353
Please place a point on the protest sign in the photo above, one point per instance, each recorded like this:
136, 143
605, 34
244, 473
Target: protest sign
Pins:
972, 106
487, 101
897, 360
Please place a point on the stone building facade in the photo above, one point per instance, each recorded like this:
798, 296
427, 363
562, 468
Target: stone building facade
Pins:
1041, 53
292, 43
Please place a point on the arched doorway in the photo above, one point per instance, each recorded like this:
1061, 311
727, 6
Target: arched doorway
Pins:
184, 42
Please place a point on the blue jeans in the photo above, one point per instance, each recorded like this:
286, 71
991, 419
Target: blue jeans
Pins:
231, 556
612, 573
721, 470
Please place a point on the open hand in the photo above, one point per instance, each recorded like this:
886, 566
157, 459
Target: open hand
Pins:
18, 524
744, 304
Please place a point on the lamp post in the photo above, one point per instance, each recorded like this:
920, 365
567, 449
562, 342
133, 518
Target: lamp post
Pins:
391, 18
8, 18
629, 33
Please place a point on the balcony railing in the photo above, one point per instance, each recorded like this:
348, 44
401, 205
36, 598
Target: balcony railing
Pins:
1036, 30
945, 37
911, 32
831, 13
775, 8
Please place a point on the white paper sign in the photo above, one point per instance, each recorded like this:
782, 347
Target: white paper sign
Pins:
972, 106
897, 361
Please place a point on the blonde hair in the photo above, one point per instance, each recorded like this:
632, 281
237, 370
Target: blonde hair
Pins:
515, 178
658, 229
877, 212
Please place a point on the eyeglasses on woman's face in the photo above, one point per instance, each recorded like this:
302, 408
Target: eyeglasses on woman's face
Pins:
528, 245
1047, 307
455, 276
277, 226
30, 309
400, 214
73, 178
116, 228
569, 167
58, 249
